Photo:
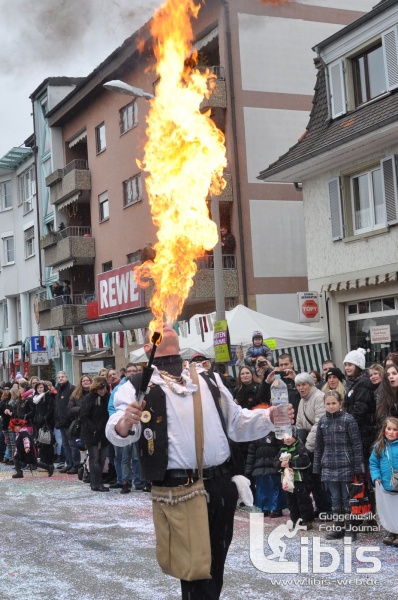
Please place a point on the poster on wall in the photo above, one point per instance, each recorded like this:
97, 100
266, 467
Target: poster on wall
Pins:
380, 334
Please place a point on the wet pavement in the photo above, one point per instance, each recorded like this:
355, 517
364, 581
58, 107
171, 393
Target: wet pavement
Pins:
61, 541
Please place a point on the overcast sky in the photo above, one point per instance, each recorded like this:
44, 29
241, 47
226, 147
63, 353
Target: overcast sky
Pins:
52, 38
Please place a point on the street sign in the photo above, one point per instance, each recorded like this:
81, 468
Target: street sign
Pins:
308, 307
35, 344
39, 358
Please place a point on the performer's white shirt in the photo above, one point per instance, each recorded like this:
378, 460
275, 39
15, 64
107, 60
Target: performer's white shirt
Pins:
242, 425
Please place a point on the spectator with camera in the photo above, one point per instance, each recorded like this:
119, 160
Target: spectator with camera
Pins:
286, 370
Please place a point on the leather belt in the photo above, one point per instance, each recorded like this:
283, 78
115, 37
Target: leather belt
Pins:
208, 473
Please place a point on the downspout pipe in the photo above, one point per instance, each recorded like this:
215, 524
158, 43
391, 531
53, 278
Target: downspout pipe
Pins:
236, 158
38, 196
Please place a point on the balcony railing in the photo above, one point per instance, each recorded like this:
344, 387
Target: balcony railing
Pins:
73, 232
77, 164
217, 70
68, 300
207, 262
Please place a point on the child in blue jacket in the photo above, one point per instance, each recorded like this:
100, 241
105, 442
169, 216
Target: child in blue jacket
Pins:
382, 462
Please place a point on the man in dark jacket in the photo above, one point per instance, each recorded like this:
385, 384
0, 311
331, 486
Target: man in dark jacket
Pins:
62, 421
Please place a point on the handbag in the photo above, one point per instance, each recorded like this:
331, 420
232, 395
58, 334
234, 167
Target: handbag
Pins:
74, 429
44, 436
394, 474
180, 516
359, 497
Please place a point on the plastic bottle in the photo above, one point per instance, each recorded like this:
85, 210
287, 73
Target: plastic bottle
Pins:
280, 401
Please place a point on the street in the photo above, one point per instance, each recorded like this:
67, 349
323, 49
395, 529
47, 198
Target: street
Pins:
61, 541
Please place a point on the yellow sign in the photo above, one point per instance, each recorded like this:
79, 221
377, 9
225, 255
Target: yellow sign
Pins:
220, 341
271, 343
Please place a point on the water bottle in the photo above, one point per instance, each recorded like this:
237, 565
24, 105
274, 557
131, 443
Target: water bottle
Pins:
280, 402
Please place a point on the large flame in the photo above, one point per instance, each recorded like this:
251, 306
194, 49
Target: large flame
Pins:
185, 159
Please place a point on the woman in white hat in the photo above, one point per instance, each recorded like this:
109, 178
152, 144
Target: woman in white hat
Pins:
360, 401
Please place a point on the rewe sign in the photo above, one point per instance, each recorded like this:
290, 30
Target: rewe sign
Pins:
117, 291
308, 305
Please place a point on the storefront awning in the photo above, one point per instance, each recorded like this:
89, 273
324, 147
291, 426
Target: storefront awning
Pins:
354, 284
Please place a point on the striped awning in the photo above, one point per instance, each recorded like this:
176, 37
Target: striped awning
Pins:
354, 284
305, 358
78, 138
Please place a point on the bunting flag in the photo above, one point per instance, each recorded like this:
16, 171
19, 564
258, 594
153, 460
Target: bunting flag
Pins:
121, 339
80, 342
197, 325
201, 330
129, 337
106, 339
205, 324
176, 327
210, 321
100, 341
126, 344
69, 342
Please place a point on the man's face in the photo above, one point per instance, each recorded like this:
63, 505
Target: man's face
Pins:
223, 231
112, 376
62, 378
131, 370
326, 367
285, 364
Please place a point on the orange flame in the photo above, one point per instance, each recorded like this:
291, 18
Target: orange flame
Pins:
185, 159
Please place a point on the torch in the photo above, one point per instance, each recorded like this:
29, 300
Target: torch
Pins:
147, 372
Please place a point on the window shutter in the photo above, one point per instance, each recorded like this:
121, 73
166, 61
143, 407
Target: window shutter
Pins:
389, 178
336, 217
337, 89
390, 52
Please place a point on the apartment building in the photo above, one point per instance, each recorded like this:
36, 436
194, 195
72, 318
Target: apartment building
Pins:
347, 164
19, 258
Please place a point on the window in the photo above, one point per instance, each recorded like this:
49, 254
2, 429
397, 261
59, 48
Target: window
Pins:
364, 201
132, 190
134, 257
369, 75
29, 242
5, 316
19, 315
107, 266
9, 254
5, 195
27, 189
103, 207
367, 201
129, 117
361, 77
100, 137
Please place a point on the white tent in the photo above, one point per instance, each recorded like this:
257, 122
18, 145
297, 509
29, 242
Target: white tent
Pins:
242, 322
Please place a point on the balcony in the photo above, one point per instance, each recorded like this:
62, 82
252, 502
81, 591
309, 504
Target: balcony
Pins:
63, 312
72, 244
217, 87
203, 286
73, 183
